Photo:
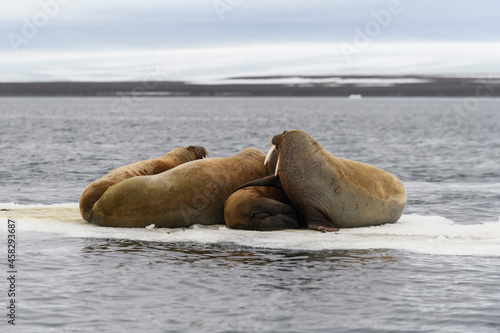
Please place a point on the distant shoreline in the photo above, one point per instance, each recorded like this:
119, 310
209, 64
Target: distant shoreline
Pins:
291, 86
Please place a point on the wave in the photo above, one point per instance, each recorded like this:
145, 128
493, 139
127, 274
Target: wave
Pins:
415, 233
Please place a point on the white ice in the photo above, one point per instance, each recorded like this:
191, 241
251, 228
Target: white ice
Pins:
415, 233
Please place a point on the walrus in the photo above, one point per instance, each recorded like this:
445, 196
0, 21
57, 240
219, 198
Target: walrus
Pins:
154, 166
330, 192
262, 208
191, 193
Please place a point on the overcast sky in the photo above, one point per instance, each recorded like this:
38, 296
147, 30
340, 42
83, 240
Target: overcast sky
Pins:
48, 40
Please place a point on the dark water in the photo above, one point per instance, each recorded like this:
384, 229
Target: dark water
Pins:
446, 151
161, 288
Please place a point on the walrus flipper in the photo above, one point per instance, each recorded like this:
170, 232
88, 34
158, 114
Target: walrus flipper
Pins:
317, 221
275, 222
274, 215
260, 208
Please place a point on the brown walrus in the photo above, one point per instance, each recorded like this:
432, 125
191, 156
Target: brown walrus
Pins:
192, 193
176, 157
331, 192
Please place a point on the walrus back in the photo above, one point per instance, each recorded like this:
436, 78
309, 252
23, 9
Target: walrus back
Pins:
192, 193
154, 166
365, 195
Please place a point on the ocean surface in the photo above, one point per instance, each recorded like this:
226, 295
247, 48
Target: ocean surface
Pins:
436, 270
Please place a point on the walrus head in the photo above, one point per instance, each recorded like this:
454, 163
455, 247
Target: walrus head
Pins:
292, 138
277, 139
295, 143
198, 151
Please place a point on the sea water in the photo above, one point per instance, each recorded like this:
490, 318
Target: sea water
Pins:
436, 270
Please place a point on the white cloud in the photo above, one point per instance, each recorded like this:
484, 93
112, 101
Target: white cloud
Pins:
120, 40
264, 59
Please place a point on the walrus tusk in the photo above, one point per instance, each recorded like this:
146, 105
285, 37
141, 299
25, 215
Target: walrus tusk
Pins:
268, 156
277, 167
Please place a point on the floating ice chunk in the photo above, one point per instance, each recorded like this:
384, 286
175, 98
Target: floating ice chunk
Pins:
415, 233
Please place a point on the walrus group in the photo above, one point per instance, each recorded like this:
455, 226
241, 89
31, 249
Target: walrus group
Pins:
298, 184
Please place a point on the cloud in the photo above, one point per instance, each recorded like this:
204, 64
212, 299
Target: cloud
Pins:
119, 39
202, 64
156, 24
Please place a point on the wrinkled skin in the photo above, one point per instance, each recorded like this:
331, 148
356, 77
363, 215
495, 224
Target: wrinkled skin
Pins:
331, 192
154, 166
191, 193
